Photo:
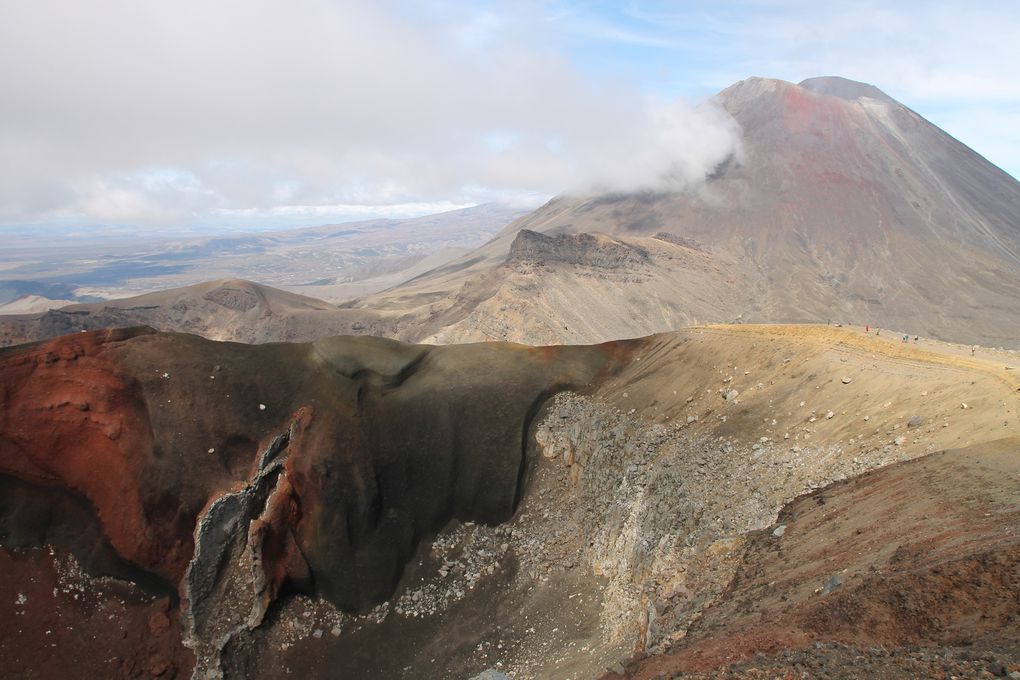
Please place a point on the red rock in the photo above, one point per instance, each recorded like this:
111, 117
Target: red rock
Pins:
159, 623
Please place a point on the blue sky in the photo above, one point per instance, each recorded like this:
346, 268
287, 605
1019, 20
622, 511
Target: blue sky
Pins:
266, 113
956, 63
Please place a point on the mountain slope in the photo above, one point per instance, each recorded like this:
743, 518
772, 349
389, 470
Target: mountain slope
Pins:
840, 584
577, 288
843, 205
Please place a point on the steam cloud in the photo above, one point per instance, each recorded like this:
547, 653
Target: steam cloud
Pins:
178, 112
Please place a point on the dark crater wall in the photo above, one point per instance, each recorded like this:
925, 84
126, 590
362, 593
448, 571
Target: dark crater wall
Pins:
385, 443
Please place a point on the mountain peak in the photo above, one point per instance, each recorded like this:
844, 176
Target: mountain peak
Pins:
754, 88
749, 93
844, 88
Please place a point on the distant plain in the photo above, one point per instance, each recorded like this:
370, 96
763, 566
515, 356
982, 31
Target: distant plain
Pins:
330, 262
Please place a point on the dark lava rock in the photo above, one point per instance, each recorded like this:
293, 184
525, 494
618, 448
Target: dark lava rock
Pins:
591, 250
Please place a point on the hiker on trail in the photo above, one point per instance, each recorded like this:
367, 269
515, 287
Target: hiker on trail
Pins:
906, 337
867, 329
973, 348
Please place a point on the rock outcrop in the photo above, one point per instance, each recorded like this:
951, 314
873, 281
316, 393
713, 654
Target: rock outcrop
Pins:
585, 250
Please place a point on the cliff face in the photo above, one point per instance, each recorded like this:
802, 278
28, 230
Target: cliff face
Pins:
226, 472
585, 250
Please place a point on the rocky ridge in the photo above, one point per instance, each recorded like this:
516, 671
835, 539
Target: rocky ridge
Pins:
586, 250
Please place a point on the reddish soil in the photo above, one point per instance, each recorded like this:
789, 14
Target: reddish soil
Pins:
70, 418
57, 623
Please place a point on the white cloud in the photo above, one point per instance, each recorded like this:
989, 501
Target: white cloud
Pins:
175, 112
185, 112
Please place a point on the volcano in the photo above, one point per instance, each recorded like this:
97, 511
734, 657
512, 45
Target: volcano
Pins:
843, 205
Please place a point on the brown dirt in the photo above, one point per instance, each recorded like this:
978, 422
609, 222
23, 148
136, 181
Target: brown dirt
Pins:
927, 553
71, 417
56, 622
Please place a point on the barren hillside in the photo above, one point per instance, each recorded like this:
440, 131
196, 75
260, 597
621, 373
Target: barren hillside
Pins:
365, 507
229, 309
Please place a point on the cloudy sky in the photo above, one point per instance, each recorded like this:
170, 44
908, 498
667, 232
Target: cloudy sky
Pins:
259, 112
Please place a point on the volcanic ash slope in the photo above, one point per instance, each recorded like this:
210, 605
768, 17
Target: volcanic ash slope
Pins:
366, 508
